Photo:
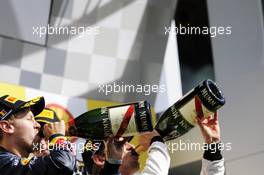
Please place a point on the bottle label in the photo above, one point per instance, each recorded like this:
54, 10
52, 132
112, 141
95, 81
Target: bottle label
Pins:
175, 125
210, 95
123, 120
194, 108
201, 101
182, 119
106, 122
143, 117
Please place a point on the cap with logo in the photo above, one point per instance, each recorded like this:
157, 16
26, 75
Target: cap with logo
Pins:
47, 116
10, 105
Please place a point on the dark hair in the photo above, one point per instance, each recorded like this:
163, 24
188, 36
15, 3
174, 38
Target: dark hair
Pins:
20, 112
89, 164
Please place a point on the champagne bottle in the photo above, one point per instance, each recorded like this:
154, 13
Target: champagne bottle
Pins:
203, 100
122, 120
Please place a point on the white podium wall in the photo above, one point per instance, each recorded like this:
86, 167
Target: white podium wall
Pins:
239, 69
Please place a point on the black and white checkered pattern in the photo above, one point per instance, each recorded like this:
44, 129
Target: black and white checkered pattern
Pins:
129, 48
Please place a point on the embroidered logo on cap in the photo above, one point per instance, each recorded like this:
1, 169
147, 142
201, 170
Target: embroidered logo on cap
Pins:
11, 99
31, 103
46, 114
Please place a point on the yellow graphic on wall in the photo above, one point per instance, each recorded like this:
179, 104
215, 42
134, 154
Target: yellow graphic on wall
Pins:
12, 90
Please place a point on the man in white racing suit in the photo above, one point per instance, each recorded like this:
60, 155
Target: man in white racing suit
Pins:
124, 161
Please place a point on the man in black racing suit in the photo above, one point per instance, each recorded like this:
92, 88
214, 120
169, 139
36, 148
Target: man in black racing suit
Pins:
19, 138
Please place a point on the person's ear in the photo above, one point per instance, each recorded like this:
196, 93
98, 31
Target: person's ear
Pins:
6, 127
98, 160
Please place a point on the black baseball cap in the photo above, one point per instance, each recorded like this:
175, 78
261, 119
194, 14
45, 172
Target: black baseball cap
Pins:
10, 105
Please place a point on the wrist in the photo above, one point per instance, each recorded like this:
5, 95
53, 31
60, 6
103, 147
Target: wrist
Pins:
213, 152
212, 140
156, 139
57, 139
51, 137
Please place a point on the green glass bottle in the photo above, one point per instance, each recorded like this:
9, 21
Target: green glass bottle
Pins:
181, 117
122, 120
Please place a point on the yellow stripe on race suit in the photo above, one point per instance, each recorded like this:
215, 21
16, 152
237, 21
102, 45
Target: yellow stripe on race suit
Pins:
25, 161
